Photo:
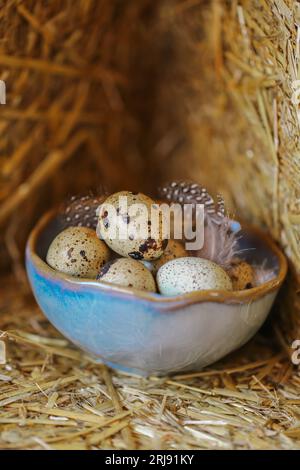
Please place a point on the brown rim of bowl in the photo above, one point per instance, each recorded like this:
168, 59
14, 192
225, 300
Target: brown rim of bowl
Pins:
243, 296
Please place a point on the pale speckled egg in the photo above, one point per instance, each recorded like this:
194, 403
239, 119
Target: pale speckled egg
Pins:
183, 275
77, 251
127, 272
127, 220
174, 250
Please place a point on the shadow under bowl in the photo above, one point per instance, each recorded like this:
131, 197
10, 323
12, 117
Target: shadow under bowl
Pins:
147, 333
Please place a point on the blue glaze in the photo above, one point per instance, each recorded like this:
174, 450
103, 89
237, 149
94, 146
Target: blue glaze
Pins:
147, 333
85, 315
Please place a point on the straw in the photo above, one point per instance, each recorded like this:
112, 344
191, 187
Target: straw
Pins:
130, 94
52, 398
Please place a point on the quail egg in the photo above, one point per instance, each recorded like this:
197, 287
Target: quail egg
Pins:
77, 251
174, 250
183, 275
242, 275
128, 273
125, 224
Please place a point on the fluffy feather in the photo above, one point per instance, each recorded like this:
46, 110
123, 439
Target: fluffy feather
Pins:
263, 274
220, 243
220, 232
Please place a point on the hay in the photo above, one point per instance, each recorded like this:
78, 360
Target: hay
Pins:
72, 108
52, 396
129, 94
267, 95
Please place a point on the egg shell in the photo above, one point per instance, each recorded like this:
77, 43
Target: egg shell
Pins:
127, 272
183, 275
174, 250
242, 275
131, 246
77, 251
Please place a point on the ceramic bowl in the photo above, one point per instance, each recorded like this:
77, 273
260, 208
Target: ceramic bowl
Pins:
147, 333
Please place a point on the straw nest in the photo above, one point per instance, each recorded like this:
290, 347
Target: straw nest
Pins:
128, 94
54, 397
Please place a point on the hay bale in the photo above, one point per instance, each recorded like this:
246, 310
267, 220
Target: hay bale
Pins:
266, 93
131, 93
261, 77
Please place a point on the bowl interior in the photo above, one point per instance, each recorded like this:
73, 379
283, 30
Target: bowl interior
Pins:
257, 251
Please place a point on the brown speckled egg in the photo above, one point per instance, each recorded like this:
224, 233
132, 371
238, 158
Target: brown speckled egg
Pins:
242, 275
127, 273
183, 275
77, 251
127, 241
174, 250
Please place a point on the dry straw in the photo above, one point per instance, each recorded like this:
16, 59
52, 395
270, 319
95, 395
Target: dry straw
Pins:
54, 397
128, 94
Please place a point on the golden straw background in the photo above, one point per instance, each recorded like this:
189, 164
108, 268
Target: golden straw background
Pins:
128, 94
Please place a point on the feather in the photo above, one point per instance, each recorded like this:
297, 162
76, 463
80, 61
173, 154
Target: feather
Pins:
263, 274
220, 243
220, 232
192, 193
81, 211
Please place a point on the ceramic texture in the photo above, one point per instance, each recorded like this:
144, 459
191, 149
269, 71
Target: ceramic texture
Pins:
147, 333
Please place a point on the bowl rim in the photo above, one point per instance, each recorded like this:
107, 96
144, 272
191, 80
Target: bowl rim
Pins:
228, 297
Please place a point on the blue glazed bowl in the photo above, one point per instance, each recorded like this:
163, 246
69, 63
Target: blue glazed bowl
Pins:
147, 333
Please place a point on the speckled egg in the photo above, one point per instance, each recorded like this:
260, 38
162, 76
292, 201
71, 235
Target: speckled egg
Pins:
183, 275
174, 250
242, 275
127, 273
77, 251
127, 221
